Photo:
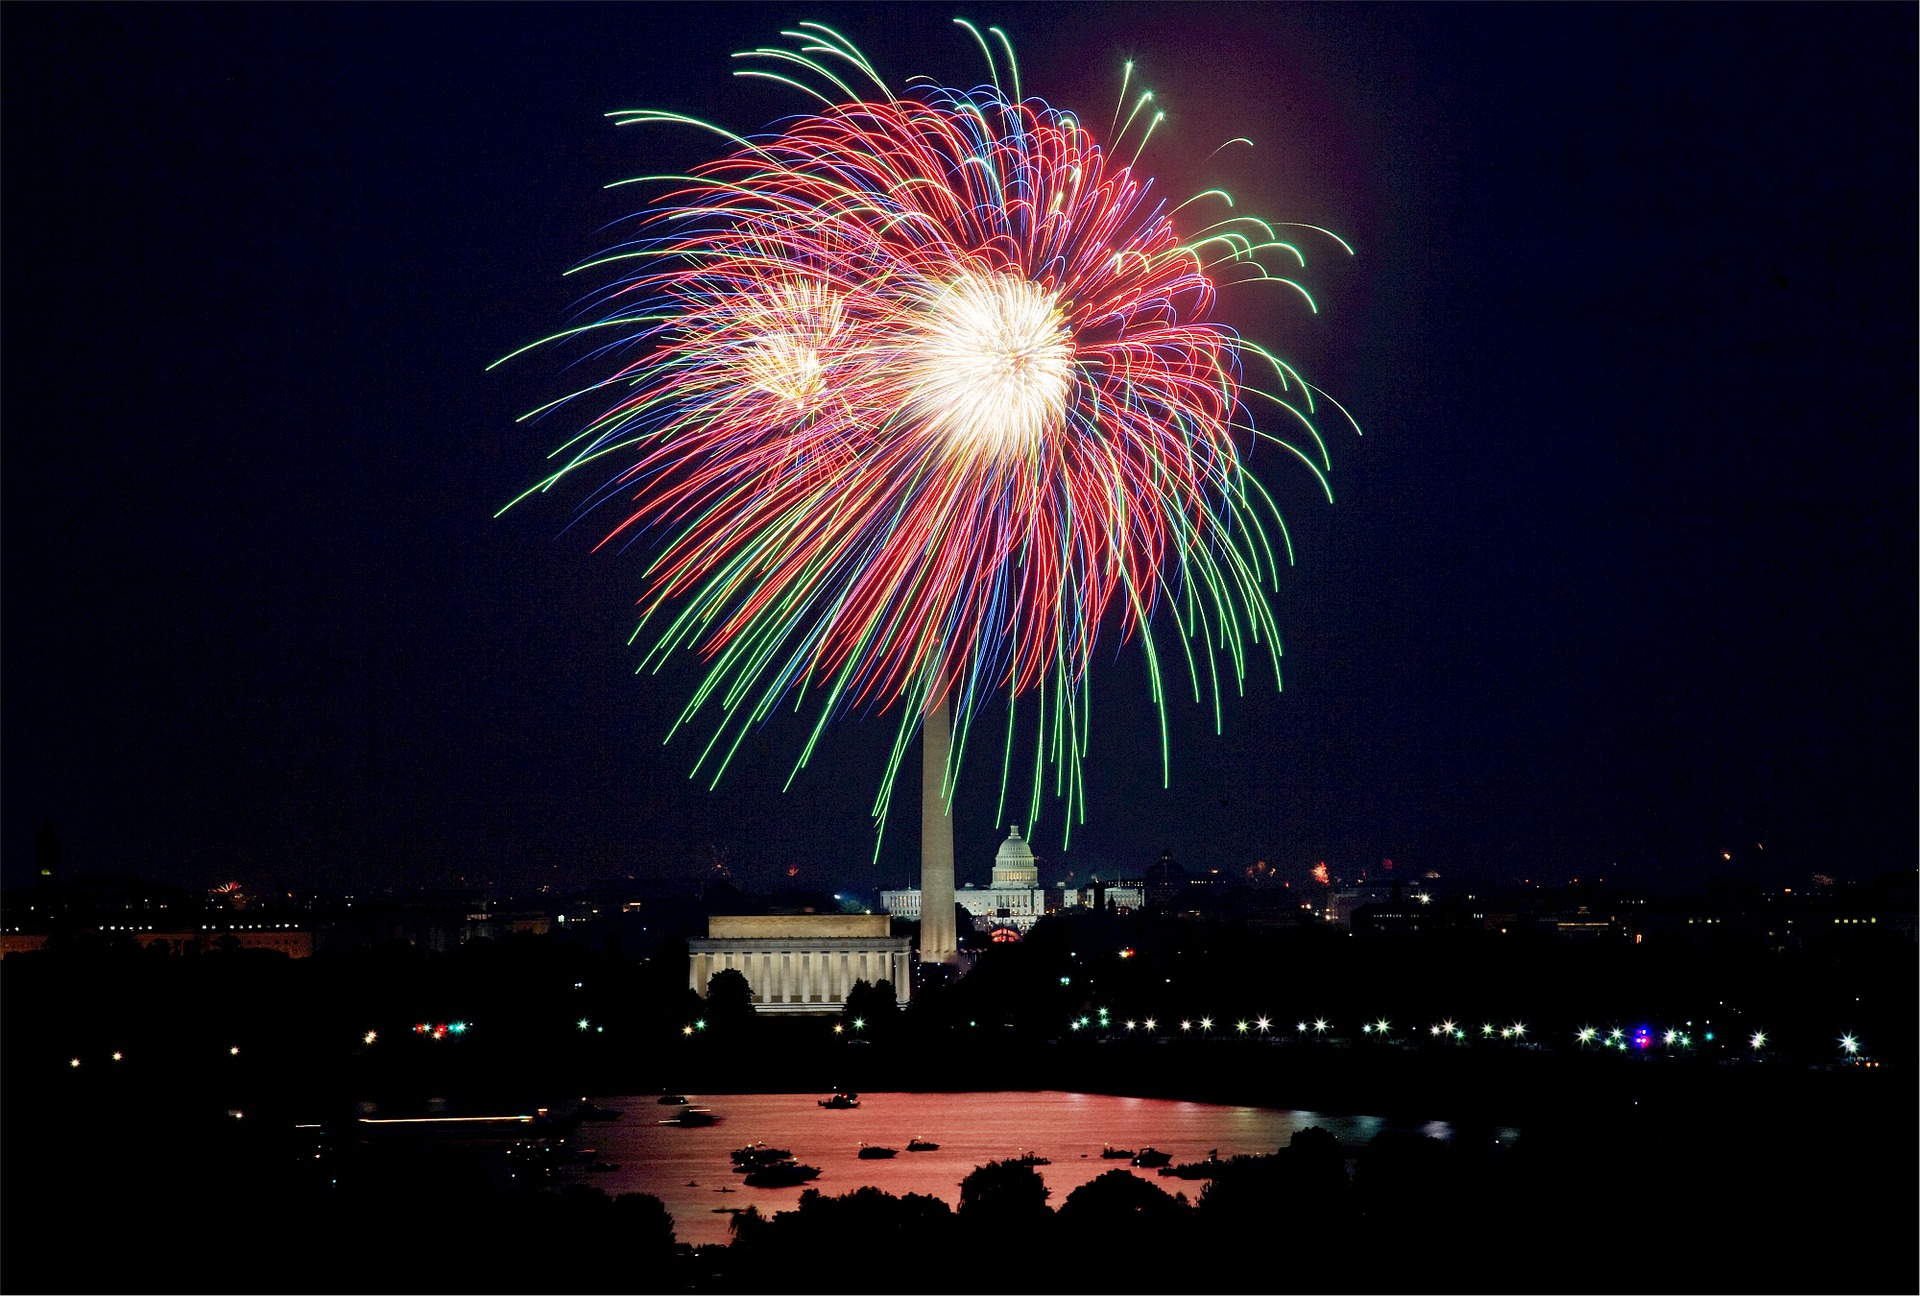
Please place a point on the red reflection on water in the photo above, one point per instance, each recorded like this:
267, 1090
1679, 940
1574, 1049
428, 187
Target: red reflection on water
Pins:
691, 1170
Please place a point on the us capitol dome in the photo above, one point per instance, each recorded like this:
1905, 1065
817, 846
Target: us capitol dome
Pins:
1012, 903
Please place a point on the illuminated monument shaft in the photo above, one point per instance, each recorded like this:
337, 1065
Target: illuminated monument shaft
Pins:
939, 941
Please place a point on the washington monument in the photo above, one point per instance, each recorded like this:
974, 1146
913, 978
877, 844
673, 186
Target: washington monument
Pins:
939, 941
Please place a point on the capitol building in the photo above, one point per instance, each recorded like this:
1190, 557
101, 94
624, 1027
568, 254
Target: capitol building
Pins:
1012, 903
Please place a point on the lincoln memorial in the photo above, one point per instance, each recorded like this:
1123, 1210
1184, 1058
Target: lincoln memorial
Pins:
802, 963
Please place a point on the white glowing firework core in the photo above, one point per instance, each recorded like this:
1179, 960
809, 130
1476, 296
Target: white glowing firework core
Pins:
787, 336
785, 366
992, 367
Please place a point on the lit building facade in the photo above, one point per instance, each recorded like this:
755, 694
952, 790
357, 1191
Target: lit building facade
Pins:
802, 963
1013, 902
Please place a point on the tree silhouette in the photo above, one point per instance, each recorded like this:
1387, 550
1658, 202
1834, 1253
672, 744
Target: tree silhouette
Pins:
729, 999
1004, 1193
1120, 1200
874, 1006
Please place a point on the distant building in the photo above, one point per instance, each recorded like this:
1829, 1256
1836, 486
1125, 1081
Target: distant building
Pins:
1165, 884
1405, 913
1125, 895
1012, 903
1583, 923
1341, 904
802, 963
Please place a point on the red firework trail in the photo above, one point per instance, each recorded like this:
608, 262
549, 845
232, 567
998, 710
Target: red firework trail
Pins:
917, 390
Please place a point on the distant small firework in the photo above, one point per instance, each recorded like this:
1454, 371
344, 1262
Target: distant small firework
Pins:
914, 391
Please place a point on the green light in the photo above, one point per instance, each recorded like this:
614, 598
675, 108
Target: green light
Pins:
458, 1028
582, 1023
700, 1023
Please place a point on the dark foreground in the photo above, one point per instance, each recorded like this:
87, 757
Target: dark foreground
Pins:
1794, 1182
188, 1165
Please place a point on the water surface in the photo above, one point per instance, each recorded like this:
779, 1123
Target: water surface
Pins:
688, 1168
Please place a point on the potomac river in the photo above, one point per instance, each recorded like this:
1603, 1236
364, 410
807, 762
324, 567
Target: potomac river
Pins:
691, 1169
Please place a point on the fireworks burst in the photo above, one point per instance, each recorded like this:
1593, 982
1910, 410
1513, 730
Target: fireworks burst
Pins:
917, 390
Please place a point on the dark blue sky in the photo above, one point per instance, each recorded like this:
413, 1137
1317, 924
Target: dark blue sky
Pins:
1621, 575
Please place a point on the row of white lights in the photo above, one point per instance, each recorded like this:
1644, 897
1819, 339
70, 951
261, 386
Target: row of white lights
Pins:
1849, 1044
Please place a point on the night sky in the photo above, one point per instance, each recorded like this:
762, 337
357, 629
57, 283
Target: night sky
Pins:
1620, 576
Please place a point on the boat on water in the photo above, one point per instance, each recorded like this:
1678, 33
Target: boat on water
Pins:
690, 1117
672, 1100
786, 1174
602, 1167
1152, 1159
1109, 1152
757, 1151
1028, 1159
841, 1100
1190, 1170
921, 1145
869, 1153
562, 1119
1187, 1170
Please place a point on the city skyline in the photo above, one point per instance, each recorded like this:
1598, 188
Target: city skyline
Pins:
1621, 576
